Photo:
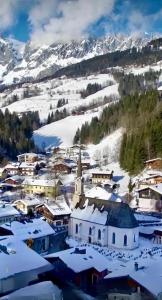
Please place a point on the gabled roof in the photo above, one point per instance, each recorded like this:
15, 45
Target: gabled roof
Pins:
156, 187
16, 257
103, 212
81, 259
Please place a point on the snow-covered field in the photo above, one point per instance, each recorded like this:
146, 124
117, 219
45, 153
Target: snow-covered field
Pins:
63, 88
61, 132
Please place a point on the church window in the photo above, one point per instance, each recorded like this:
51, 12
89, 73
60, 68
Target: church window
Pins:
113, 238
99, 234
90, 230
125, 240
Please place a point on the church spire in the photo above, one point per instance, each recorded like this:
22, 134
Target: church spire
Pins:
79, 170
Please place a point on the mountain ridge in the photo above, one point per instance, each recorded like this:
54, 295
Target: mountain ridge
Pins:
22, 62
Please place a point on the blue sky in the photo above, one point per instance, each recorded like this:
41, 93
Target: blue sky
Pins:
53, 20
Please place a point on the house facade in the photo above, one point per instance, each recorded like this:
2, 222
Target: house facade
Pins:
155, 163
49, 188
150, 198
100, 176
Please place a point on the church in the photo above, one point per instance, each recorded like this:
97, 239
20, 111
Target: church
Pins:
102, 222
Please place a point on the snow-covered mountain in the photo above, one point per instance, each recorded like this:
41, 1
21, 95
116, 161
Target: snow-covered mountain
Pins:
19, 61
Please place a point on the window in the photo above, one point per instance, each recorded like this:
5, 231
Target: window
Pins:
90, 231
58, 223
113, 238
76, 228
125, 240
134, 238
99, 234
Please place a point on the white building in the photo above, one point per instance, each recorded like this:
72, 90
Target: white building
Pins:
104, 221
7, 213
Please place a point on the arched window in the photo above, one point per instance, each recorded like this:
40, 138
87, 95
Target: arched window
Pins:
113, 238
125, 240
99, 234
90, 230
76, 228
134, 238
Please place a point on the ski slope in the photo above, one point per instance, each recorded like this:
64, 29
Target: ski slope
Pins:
61, 132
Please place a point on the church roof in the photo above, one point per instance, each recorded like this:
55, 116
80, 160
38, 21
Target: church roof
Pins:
103, 212
122, 217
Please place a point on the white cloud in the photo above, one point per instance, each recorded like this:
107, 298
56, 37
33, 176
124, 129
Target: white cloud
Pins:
54, 20
7, 8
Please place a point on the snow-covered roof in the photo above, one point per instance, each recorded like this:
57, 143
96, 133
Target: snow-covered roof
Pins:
100, 172
16, 257
150, 277
28, 154
46, 289
101, 193
28, 202
41, 182
152, 160
32, 229
103, 212
58, 208
81, 259
8, 210
157, 188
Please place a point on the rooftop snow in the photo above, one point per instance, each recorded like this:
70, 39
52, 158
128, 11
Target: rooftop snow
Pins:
33, 229
16, 257
81, 262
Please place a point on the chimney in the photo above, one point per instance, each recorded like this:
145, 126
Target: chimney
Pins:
136, 266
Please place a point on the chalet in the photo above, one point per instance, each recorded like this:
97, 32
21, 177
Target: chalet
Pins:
155, 163
28, 157
151, 179
61, 167
36, 233
49, 188
15, 180
12, 169
56, 213
99, 176
150, 198
26, 205
28, 169
84, 266
8, 213
20, 265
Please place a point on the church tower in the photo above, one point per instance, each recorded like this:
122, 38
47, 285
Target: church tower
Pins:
79, 186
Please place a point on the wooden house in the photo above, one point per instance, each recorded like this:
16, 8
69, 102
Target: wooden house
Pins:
155, 163
84, 266
150, 198
56, 213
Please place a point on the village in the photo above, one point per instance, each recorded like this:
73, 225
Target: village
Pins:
73, 227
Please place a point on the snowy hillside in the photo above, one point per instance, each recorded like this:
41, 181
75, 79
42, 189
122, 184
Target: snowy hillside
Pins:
51, 91
61, 132
19, 61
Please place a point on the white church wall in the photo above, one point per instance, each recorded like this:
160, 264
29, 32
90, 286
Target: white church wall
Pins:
86, 234
123, 238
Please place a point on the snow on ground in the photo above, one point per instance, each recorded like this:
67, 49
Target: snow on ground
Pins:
52, 91
109, 147
61, 132
107, 153
141, 70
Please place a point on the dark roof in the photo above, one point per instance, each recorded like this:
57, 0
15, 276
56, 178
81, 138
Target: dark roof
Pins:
122, 217
119, 214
